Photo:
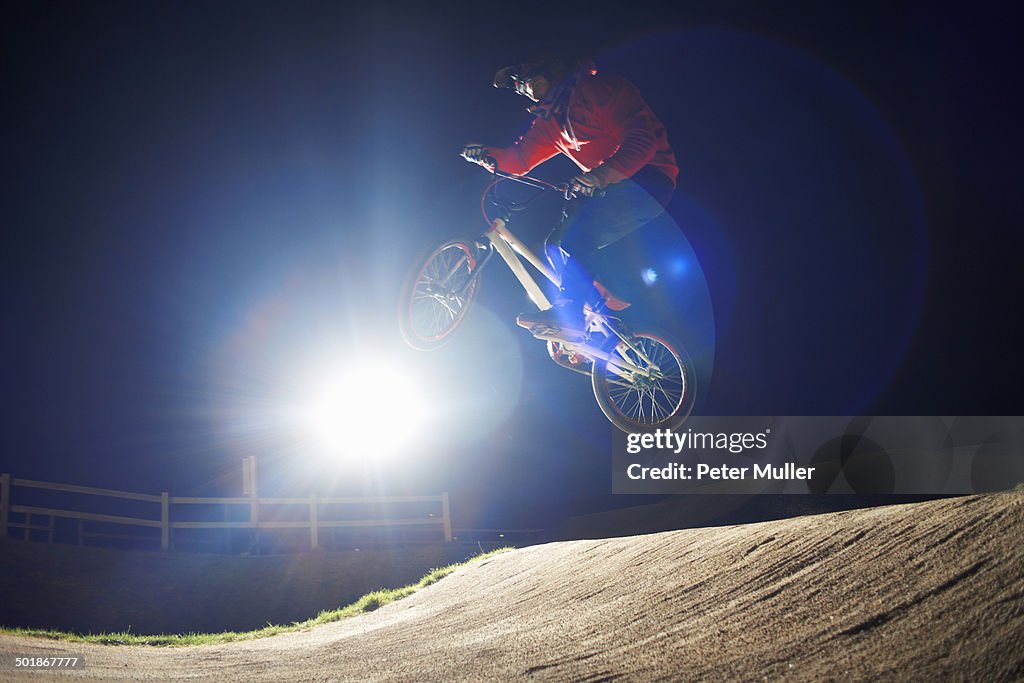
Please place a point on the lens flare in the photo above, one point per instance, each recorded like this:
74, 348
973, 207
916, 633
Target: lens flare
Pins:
363, 413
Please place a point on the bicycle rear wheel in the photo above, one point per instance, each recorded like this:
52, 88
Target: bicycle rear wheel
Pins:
437, 295
650, 386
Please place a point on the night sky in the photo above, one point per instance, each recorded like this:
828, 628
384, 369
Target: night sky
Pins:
203, 199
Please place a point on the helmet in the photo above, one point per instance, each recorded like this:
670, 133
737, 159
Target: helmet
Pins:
549, 65
517, 76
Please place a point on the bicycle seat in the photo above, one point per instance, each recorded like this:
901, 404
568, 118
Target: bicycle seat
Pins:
612, 302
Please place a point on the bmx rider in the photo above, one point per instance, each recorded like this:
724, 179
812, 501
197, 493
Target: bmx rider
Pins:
627, 167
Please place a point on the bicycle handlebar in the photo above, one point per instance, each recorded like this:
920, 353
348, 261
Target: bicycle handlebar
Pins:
532, 182
542, 185
509, 206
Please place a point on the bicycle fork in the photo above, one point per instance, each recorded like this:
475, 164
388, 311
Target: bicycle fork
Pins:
618, 362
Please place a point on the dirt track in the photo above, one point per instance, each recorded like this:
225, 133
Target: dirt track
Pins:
930, 591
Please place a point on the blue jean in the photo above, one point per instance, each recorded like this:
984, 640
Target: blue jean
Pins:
590, 225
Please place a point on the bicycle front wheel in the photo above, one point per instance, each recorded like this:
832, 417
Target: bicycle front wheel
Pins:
649, 384
437, 295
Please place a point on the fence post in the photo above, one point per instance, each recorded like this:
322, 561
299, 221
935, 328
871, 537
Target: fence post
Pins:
28, 526
165, 520
254, 525
314, 522
447, 514
5, 502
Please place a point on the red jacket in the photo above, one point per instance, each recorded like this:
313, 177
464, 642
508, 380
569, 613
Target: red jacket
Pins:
610, 132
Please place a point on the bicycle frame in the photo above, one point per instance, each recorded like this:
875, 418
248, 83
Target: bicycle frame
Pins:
508, 246
511, 248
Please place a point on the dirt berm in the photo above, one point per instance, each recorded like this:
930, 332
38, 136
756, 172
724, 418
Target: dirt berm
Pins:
928, 591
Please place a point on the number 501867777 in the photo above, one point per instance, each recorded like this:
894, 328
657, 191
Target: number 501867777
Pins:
27, 662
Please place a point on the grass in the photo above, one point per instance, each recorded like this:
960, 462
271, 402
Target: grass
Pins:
367, 603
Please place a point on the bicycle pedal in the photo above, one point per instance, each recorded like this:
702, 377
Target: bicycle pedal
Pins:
577, 360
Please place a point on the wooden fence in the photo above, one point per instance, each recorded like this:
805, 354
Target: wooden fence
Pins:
313, 507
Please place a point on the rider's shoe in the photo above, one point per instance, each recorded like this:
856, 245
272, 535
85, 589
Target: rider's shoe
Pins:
565, 316
609, 300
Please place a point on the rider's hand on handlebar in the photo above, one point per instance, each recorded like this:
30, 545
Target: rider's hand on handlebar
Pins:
477, 154
585, 185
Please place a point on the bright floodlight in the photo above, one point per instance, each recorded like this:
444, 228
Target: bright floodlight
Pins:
365, 413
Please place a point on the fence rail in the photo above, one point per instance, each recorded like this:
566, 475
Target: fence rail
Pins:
313, 506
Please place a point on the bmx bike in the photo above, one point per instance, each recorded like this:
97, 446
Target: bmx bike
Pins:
642, 380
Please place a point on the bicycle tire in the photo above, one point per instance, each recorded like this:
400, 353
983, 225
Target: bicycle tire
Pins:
437, 294
635, 404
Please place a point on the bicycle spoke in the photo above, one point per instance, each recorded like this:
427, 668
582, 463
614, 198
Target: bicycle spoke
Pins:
654, 394
441, 293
